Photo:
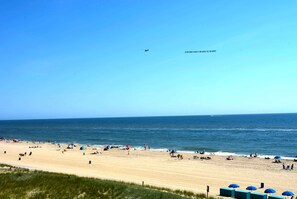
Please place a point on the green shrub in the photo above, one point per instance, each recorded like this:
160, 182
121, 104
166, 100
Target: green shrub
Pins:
36, 184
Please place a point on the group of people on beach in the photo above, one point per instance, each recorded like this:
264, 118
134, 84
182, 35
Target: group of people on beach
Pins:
34, 147
146, 147
172, 152
24, 154
288, 167
21, 154
253, 155
201, 158
276, 161
200, 152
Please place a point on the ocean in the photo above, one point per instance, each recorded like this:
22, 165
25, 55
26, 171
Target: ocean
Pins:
264, 134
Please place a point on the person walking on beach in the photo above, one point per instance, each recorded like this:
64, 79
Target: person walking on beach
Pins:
292, 166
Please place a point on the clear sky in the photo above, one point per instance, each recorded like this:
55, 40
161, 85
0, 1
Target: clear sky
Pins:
72, 59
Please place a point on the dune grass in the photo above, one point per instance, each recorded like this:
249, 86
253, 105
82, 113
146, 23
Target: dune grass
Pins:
22, 183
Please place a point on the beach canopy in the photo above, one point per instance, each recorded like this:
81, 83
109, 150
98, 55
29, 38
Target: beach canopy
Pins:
233, 186
82, 148
251, 188
269, 190
288, 193
278, 157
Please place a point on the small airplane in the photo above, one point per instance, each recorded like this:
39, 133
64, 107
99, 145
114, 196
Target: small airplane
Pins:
146, 50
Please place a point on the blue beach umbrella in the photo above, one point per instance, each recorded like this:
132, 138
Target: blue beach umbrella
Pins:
82, 148
288, 193
278, 157
251, 188
233, 186
269, 190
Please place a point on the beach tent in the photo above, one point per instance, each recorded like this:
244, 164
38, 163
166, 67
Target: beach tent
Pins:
278, 157
82, 148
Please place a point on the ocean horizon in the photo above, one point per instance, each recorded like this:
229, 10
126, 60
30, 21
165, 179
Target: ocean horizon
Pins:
264, 134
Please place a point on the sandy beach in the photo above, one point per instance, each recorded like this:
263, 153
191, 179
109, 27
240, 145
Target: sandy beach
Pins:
153, 167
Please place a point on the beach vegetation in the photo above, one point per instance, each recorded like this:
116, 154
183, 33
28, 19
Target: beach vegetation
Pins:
21, 183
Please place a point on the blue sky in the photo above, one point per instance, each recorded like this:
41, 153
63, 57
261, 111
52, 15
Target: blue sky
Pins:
71, 59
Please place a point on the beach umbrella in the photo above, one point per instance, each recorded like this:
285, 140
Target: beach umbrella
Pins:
269, 190
278, 157
251, 188
82, 148
288, 193
233, 186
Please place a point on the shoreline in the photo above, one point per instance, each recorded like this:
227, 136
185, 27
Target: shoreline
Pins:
217, 153
153, 167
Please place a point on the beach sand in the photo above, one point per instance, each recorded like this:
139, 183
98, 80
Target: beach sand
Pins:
153, 167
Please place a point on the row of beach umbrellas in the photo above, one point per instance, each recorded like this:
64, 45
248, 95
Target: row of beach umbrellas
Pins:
268, 191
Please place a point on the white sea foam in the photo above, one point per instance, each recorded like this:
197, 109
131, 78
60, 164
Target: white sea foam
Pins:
221, 153
196, 129
160, 149
218, 153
